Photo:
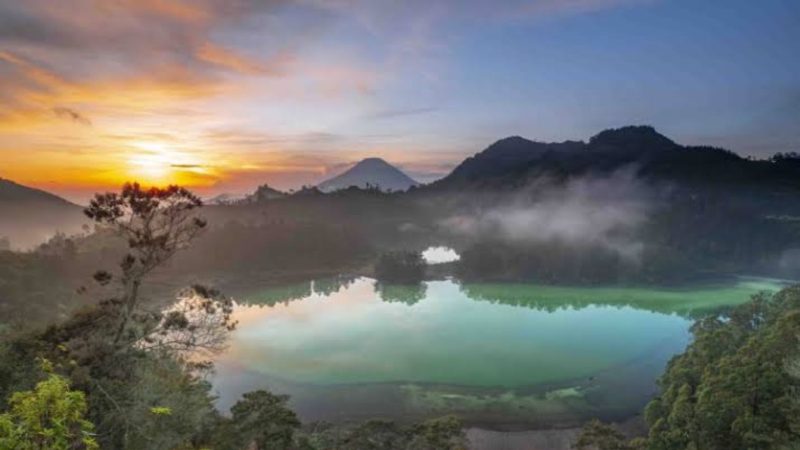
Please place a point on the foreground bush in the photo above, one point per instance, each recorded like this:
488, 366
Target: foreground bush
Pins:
49, 417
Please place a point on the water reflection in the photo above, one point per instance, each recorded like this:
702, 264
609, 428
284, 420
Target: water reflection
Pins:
688, 302
402, 293
272, 295
348, 348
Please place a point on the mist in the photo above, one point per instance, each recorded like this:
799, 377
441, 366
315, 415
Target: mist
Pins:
591, 212
27, 227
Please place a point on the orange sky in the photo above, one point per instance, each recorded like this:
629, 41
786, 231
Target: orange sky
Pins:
224, 95
110, 91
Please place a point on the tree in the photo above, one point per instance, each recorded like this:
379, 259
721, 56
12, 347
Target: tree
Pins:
731, 388
51, 417
735, 387
155, 223
375, 435
444, 433
264, 419
602, 437
160, 407
130, 360
196, 325
441, 433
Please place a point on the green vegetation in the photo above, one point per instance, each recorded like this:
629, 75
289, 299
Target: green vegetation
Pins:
36, 287
400, 268
137, 371
603, 437
735, 387
435, 434
129, 373
49, 417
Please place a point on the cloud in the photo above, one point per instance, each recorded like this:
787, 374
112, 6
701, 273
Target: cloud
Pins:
307, 71
187, 166
549, 8
71, 114
165, 50
401, 112
254, 140
229, 59
146, 52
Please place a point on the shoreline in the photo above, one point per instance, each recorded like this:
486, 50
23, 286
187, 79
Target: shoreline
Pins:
542, 439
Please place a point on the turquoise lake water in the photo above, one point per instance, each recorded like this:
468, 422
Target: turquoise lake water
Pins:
498, 355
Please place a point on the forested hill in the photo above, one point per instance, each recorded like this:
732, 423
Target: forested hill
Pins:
28, 216
513, 161
684, 210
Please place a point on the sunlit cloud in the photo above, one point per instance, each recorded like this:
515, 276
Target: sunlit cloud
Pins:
210, 72
223, 95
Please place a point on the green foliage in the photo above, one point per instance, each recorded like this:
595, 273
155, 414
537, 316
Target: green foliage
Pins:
18, 371
369, 435
400, 268
155, 223
35, 287
51, 417
731, 388
597, 435
158, 407
264, 419
445, 433
735, 387
161, 411
129, 359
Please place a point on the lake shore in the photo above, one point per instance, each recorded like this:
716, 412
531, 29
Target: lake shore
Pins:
544, 439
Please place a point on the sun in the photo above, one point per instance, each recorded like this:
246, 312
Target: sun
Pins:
157, 163
151, 163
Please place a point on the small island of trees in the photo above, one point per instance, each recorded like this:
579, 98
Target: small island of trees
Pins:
400, 267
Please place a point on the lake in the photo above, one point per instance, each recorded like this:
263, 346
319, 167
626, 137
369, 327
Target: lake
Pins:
503, 356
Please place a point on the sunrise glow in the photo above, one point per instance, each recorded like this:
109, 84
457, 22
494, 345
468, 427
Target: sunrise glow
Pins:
226, 96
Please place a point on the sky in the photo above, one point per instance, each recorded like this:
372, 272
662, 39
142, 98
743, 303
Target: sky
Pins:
225, 95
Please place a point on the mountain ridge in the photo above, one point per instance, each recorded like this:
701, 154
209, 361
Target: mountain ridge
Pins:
515, 160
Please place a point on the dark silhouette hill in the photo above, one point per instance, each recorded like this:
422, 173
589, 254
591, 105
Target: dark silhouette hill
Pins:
705, 209
370, 172
265, 192
512, 161
29, 216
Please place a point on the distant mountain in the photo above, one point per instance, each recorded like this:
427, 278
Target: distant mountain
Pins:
373, 172
515, 160
29, 216
263, 193
224, 199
